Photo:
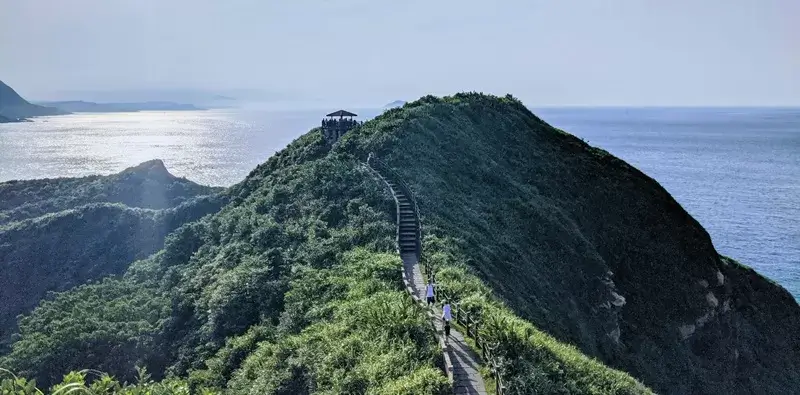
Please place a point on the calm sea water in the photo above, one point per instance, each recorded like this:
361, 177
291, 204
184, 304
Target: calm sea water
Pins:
736, 170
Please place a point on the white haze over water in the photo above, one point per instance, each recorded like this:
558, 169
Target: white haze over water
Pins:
735, 170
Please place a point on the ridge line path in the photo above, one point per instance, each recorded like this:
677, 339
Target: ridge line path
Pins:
466, 374
466, 364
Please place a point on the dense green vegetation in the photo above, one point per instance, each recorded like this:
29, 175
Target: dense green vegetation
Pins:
584, 246
72, 238
362, 335
148, 185
92, 382
574, 260
270, 273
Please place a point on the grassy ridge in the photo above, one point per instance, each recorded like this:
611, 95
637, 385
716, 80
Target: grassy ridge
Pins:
583, 245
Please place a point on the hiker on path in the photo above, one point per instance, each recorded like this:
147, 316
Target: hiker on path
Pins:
447, 316
429, 295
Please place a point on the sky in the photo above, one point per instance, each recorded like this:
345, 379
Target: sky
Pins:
546, 52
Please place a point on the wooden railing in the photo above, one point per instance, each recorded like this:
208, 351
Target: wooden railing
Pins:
381, 166
448, 364
471, 321
374, 163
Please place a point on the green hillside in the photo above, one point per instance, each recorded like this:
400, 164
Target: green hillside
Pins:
72, 230
147, 185
576, 262
586, 247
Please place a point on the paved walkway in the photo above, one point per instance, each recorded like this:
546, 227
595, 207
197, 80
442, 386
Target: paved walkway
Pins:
466, 375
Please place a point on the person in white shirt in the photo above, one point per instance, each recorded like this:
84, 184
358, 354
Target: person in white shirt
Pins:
429, 295
446, 317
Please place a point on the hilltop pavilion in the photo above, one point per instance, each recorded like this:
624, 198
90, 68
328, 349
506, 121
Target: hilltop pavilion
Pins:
336, 124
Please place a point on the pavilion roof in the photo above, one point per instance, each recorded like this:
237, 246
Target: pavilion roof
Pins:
342, 113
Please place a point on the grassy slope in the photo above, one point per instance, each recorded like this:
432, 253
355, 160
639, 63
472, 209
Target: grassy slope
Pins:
559, 229
218, 289
59, 233
56, 252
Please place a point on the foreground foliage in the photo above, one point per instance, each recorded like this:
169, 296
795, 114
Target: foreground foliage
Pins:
362, 334
82, 383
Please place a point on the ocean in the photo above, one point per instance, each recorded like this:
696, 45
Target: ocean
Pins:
736, 170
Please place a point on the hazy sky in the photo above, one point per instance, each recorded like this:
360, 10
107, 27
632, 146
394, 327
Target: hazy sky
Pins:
547, 52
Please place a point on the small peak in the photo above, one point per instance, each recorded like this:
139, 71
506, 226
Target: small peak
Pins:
151, 168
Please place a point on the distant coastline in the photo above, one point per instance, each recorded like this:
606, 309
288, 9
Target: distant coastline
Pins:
86, 106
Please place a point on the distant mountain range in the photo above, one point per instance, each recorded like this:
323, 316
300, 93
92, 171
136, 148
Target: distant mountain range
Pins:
14, 108
85, 106
199, 97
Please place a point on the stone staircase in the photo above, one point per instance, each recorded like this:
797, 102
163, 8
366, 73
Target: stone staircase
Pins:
461, 364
